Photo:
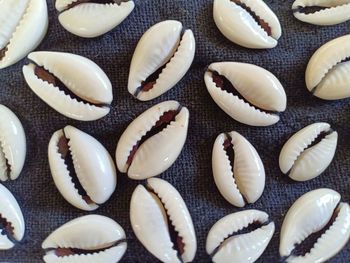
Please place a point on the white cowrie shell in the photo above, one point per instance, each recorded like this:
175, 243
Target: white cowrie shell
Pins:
238, 25
303, 162
93, 167
87, 92
88, 18
158, 152
263, 91
161, 46
309, 214
246, 179
11, 213
331, 12
326, 77
98, 239
23, 25
226, 247
148, 214
12, 145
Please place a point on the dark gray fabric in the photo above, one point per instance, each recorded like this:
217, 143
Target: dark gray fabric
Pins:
44, 208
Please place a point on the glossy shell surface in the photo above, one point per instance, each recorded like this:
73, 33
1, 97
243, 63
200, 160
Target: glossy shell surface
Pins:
243, 180
93, 166
92, 19
90, 90
12, 145
163, 47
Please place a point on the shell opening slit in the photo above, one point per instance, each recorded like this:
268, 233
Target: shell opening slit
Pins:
264, 25
66, 252
164, 120
66, 155
152, 79
106, 2
329, 71
249, 228
230, 153
307, 10
305, 246
4, 48
175, 237
5, 167
319, 137
7, 229
224, 84
46, 76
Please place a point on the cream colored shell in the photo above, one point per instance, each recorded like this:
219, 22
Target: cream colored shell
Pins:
93, 165
161, 45
334, 12
236, 24
264, 91
309, 214
91, 232
226, 247
158, 152
245, 181
87, 81
92, 19
10, 210
149, 222
326, 77
12, 145
23, 25
303, 162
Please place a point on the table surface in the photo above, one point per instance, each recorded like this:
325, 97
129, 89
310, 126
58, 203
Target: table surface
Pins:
45, 209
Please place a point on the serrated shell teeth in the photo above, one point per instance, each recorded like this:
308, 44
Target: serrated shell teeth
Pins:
310, 214
92, 164
12, 145
262, 93
303, 162
330, 13
90, 90
150, 156
161, 48
225, 246
12, 214
92, 19
244, 179
236, 22
326, 76
148, 215
23, 25
98, 239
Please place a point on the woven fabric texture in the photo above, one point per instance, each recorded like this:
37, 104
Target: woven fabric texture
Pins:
45, 209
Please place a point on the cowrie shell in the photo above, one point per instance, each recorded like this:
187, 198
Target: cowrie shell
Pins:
327, 77
309, 214
162, 49
263, 91
235, 21
12, 145
246, 179
303, 160
23, 25
226, 246
148, 215
87, 239
90, 19
11, 219
141, 156
77, 158
329, 13
87, 92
